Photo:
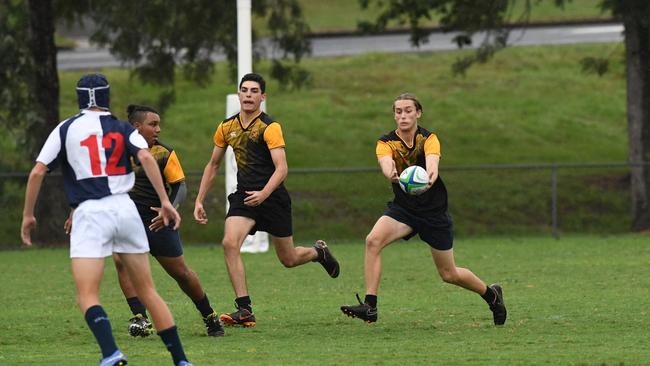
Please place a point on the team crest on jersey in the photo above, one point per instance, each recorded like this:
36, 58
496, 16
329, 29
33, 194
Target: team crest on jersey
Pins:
233, 134
254, 135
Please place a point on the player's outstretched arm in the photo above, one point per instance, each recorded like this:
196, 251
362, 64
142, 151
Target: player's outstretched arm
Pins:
432, 160
210, 171
387, 165
150, 167
31, 195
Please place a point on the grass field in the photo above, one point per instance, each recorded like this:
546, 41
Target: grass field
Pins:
577, 301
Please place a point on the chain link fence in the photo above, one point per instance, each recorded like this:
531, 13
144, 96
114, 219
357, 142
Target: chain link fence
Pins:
344, 203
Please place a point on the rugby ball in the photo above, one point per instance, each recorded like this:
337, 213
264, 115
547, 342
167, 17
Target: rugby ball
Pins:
414, 180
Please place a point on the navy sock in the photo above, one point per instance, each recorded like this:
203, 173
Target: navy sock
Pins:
244, 302
99, 324
489, 296
171, 340
203, 306
136, 306
371, 300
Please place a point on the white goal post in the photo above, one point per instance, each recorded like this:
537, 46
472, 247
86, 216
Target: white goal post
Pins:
259, 242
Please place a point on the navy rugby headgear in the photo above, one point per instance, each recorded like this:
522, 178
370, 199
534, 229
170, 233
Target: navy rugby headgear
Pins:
93, 91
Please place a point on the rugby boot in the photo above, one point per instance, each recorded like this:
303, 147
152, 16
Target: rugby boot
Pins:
140, 326
362, 311
242, 316
213, 326
326, 259
498, 307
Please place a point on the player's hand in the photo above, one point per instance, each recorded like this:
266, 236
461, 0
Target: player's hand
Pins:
67, 225
255, 198
431, 180
394, 177
199, 214
170, 214
157, 223
29, 222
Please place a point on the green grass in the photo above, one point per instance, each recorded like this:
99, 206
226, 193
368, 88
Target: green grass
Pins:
534, 100
578, 301
343, 15
528, 105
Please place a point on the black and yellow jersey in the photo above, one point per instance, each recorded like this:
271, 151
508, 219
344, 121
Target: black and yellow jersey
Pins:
434, 200
143, 193
252, 147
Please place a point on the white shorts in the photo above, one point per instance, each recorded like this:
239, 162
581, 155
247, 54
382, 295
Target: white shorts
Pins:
107, 225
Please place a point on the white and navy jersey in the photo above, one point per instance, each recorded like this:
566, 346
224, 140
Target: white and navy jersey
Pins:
93, 150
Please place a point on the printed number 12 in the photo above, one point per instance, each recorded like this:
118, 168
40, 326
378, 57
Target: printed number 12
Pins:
113, 140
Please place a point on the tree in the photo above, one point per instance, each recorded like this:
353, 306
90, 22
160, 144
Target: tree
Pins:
30, 95
156, 37
470, 16
168, 33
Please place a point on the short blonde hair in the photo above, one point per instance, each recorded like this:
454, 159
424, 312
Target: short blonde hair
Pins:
408, 96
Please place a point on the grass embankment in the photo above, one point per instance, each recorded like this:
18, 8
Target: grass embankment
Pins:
528, 105
343, 15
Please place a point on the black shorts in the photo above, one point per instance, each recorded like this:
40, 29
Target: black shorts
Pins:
165, 242
272, 216
435, 230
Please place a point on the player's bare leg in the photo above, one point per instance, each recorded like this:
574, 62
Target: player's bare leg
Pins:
189, 282
385, 231
291, 256
463, 277
139, 271
187, 279
139, 324
236, 230
87, 274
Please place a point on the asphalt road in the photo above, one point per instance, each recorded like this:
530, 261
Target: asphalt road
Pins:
87, 57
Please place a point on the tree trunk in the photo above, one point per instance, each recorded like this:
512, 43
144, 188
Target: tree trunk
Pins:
52, 208
637, 52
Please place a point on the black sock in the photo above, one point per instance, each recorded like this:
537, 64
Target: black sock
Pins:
136, 306
171, 340
371, 300
489, 296
99, 324
203, 306
244, 302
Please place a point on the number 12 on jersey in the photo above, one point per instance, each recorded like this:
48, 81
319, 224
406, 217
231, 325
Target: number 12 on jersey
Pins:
111, 141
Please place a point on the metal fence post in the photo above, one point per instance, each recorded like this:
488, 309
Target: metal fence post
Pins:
554, 220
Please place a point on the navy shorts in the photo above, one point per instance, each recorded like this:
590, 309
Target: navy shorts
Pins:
165, 242
435, 230
272, 216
